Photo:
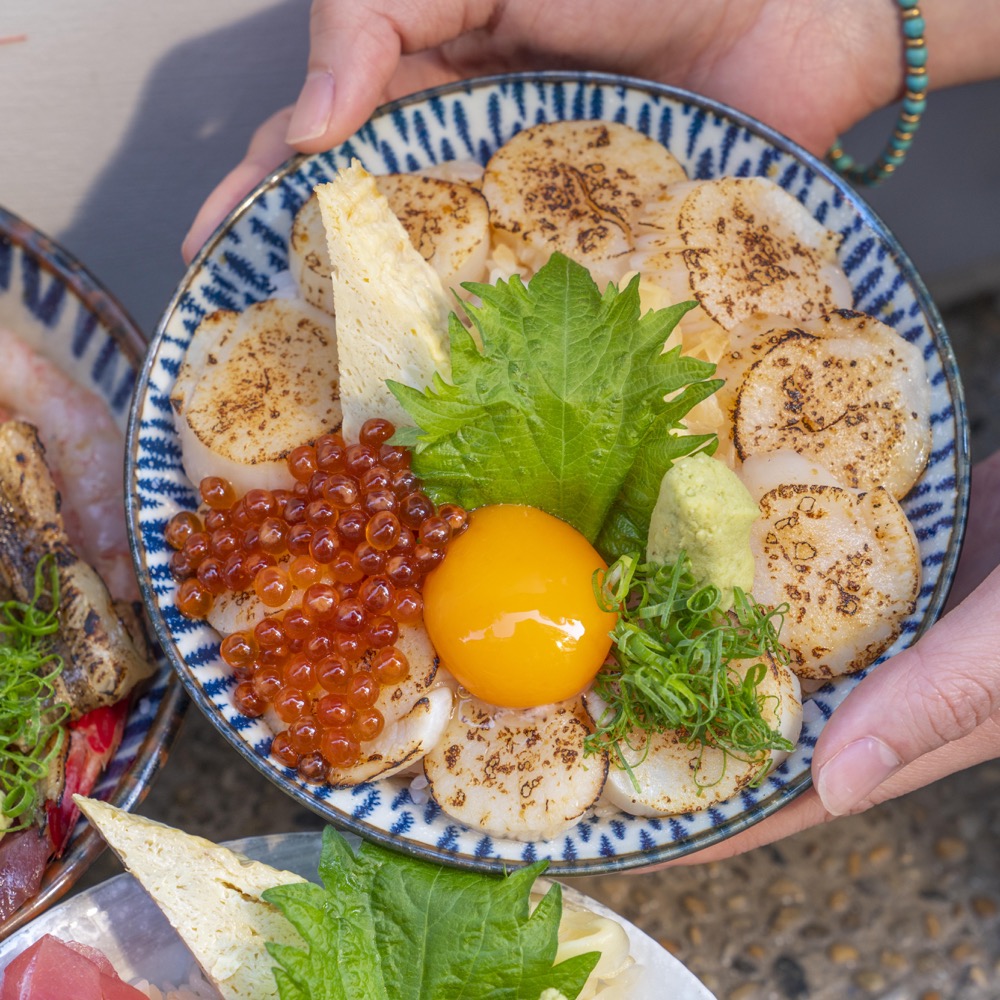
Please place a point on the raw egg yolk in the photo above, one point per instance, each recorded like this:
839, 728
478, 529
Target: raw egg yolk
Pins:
511, 611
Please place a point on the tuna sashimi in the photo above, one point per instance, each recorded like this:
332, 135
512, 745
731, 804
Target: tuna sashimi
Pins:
51, 969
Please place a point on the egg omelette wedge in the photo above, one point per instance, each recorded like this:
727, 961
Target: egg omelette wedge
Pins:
210, 895
392, 310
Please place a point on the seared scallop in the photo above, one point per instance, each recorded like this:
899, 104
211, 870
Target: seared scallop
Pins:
403, 742
738, 246
847, 566
240, 610
517, 773
253, 386
845, 391
576, 187
415, 711
447, 222
671, 775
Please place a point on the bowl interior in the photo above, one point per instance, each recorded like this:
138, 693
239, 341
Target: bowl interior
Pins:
49, 299
246, 261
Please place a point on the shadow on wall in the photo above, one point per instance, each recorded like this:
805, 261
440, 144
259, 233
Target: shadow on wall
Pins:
200, 106
944, 202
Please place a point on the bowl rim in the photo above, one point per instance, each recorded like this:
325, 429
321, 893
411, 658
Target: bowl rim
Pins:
796, 785
134, 783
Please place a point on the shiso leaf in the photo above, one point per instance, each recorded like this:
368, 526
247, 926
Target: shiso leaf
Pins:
572, 386
385, 925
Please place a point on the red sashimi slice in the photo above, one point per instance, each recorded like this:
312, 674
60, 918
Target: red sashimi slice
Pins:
23, 857
51, 969
93, 739
25, 854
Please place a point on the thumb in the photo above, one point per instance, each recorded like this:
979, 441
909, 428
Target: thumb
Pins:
935, 693
354, 52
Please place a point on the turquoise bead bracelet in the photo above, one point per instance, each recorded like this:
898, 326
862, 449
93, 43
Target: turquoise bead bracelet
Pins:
914, 103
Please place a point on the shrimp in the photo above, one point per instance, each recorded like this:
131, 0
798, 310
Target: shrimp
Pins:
676, 776
553, 188
518, 773
847, 565
86, 451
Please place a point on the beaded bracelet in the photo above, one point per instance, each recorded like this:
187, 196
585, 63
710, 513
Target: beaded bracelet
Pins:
914, 103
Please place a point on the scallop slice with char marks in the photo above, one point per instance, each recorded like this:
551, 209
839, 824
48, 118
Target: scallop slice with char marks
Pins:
782, 703
253, 386
676, 776
447, 221
576, 187
847, 565
738, 246
761, 473
516, 773
401, 744
240, 610
844, 390
416, 712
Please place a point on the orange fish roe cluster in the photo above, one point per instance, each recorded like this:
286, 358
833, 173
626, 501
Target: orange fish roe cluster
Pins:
354, 539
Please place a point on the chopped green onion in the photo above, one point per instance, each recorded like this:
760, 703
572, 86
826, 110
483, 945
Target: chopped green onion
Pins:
31, 724
672, 663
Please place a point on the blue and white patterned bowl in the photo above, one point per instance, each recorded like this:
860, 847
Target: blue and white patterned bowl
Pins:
49, 299
246, 261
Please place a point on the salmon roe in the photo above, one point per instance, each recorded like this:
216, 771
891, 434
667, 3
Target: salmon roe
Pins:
338, 561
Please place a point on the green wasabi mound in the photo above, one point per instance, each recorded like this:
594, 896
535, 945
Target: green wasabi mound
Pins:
705, 511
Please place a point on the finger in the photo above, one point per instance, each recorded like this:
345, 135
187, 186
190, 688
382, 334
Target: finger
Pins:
354, 51
798, 815
942, 690
981, 552
267, 151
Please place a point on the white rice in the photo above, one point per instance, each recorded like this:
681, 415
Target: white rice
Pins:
195, 987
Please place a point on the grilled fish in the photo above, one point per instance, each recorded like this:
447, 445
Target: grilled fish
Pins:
101, 662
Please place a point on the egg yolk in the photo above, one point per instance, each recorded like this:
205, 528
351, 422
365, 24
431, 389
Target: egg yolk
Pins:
511, 611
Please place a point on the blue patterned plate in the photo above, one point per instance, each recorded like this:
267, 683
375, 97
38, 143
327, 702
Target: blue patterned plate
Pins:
49, 299
246, 260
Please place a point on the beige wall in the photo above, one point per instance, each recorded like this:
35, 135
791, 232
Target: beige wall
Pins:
118, 117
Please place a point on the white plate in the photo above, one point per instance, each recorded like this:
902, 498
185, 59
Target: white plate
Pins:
120, 919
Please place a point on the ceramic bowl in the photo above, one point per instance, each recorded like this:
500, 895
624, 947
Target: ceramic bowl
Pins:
120, 919
246, 261
50, 299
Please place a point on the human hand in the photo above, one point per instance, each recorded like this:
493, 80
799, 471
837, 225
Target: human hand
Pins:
808, 70
928, 712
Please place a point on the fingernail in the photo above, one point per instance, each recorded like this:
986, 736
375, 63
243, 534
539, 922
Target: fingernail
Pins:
313, 108
854, 772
